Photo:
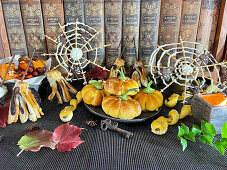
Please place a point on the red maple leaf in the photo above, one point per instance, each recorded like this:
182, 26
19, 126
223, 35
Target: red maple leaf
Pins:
97, 73
67, 137
4, 111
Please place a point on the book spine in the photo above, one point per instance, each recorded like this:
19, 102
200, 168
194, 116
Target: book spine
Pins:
1, 50
113, 30
189, 20
4, 43
170, 17
33, 26
205, 22
14, 25
215, 16
131, 21
149, 25
94, 17
73, 9
52, 15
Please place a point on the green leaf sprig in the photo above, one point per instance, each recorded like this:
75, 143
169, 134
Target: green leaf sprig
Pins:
206, 132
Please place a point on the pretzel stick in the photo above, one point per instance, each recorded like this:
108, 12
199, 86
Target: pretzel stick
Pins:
65, 35
7, 70
182, 47
76, 34
185, 89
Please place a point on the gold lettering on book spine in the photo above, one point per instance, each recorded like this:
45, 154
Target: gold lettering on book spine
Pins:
33, 25
148, 28
189, 20
170, 21
52, 13
113, 23
94, 13
131, 13
14, 27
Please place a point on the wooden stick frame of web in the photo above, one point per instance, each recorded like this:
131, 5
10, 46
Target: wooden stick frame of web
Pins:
69, 53
186, 68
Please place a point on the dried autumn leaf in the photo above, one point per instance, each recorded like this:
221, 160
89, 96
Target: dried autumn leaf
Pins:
4, 110
67, 137
97, 73
36, 139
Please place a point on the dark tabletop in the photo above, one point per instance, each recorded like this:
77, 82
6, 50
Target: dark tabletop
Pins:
106, 149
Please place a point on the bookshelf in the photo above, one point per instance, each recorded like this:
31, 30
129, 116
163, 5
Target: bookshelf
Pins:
220, 37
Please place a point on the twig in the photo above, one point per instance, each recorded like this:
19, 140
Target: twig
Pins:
7, 70
28, 66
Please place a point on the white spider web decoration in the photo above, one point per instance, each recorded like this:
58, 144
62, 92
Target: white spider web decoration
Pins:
184, 64
72, 46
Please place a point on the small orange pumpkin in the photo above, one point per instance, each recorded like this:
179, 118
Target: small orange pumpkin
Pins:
123, 107
118, 86
149, 99
93, 93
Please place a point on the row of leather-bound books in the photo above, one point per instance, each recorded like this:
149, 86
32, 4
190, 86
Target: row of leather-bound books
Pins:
133, 27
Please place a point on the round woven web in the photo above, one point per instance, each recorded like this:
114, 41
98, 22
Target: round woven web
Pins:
188, 64
73, 45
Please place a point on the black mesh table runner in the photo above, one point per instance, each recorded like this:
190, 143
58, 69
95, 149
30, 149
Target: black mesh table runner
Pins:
106, 149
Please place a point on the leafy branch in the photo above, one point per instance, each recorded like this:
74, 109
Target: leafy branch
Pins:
206, 133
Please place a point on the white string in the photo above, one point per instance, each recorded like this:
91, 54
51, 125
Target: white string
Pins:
174, 50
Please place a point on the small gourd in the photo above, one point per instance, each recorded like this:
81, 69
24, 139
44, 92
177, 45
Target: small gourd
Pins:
118, 86
173, 117
149, 99
93, 93
67, 113
185, 111
79, 97
172, 100
159, 126
122, 107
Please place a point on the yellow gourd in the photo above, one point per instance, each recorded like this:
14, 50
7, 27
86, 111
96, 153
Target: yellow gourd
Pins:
79, 97
173, 117
159, 126
67, 113
185, 110
172, 100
